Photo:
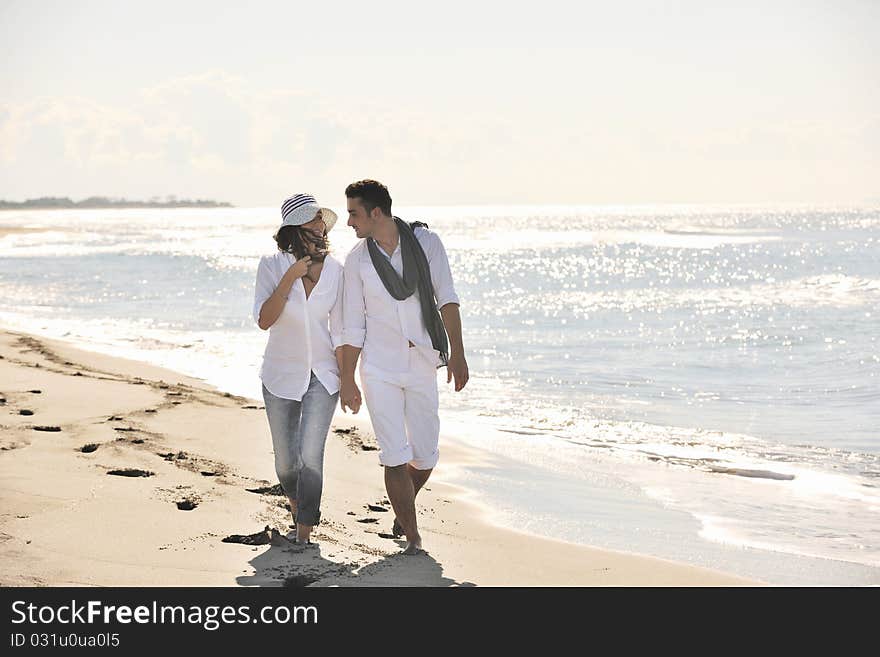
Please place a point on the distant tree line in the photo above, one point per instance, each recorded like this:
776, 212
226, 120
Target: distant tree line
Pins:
55, 202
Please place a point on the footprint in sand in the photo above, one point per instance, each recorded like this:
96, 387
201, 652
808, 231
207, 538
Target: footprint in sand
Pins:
173, 456
354, 440
131, 472
260, 538
268, 490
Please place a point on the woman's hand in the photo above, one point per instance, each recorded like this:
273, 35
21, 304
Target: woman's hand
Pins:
299, 268
349, 395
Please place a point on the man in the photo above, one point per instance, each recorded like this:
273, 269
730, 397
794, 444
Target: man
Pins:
390, 318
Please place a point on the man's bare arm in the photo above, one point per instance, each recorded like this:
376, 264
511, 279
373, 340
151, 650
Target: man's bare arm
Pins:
457, 367
349, 394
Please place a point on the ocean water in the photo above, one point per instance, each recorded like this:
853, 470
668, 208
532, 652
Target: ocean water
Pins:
715, 367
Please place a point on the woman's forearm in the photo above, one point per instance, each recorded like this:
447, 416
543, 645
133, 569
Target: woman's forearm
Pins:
274, 305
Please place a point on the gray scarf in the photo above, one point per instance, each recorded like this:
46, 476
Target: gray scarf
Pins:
416, 273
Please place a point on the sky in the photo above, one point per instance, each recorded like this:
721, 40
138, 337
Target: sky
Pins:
452, 102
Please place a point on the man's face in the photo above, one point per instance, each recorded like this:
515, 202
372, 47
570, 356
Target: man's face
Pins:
359, 219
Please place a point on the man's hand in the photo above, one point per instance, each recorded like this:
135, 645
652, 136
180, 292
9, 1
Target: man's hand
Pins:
457, 367
349, 395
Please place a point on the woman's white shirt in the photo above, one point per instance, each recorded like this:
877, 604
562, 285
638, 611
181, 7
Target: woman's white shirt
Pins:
305, 336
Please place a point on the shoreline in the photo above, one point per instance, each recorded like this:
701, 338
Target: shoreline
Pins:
205, 449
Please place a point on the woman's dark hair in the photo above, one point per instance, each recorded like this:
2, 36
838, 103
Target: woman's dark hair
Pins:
372, 194
295, 240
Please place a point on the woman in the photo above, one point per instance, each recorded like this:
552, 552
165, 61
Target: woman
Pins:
298, 299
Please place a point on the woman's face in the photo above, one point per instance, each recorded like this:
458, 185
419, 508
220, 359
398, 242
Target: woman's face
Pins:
316, 225
312, 237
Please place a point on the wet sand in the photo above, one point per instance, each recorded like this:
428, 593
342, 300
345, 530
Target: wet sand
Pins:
126, 474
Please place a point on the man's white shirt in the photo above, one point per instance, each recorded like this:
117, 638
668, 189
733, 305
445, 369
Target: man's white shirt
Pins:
302, 339
380, 324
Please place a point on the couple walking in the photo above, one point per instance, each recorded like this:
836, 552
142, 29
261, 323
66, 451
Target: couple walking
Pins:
392, 305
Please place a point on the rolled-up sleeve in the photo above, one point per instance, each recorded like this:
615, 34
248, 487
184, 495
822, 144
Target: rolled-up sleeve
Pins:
263, 288
336, 325
354, 318
441, 275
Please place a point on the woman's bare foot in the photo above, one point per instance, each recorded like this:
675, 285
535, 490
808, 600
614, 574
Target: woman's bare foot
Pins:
279, 540
292, 509
303, 533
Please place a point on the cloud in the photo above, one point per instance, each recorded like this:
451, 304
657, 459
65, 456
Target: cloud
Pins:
216, 135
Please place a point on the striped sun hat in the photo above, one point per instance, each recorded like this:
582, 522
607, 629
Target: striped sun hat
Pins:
300, 209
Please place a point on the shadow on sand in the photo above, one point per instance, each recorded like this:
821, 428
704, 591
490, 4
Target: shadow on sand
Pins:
286, 564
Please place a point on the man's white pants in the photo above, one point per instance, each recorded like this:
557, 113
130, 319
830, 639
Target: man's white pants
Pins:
403, 408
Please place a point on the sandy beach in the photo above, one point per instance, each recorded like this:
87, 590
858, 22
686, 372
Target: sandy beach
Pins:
119, 473
21, 230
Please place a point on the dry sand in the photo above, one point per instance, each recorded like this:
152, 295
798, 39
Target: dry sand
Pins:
69, 516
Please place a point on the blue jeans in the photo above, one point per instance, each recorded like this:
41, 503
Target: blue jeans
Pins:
299, 432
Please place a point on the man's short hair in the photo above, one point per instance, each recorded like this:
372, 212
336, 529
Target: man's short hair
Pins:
372, 194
